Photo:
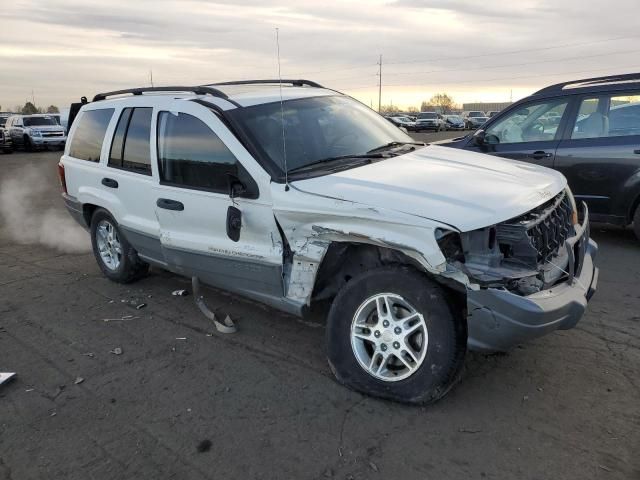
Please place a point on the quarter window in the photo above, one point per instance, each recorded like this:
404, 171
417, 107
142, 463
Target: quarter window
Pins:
608, 116
537, 122
131, 148
192, 155
87, 139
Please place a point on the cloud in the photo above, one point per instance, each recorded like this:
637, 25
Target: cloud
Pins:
69, 48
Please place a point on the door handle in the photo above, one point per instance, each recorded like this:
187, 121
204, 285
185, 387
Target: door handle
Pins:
637, 152
109, 182
169, 204
539, 154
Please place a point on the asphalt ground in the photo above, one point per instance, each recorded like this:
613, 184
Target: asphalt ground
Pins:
183, 401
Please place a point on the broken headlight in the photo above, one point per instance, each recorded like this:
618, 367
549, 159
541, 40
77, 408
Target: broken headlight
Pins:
574, 207
450, 244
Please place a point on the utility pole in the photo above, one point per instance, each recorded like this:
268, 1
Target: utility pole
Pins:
151, 77
380, 84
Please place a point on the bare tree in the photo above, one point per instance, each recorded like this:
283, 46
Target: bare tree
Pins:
53, 109
443, 102
29, 109
387, 109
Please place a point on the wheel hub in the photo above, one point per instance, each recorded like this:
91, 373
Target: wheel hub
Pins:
108, 244
389, 337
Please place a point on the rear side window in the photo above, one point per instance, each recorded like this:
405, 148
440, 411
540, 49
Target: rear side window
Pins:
86, 142
192, 155
131, 148
608, 116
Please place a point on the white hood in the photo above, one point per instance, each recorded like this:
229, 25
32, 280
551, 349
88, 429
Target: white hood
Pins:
464, 189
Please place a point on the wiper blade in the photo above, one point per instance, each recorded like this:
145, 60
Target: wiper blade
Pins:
394, 144
311, 165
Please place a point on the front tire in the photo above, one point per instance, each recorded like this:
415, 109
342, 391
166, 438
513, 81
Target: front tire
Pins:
117, 259
391, 333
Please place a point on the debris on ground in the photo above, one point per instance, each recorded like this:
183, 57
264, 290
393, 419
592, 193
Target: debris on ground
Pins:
140, 306
204, 446
5, 377
180, 293
181, 338
470, 430
89, 354
373, 466
116, 351
121, 319
78, 380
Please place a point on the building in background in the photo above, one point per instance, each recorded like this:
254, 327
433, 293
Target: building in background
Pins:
485, 106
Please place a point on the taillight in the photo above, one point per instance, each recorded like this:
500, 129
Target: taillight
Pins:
63, 180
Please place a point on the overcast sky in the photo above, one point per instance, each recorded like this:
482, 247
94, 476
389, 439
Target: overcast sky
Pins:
474, 50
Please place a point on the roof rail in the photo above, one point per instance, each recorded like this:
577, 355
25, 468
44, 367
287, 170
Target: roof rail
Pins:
198, 90
590, 82
295, 83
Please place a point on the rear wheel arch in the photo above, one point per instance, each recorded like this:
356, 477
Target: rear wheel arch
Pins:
88, 209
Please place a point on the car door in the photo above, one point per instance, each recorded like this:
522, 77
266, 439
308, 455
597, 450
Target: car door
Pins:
530, 133
233, 243
600, 154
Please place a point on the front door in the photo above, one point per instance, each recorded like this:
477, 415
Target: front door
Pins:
198, 158
530, 133
600, 155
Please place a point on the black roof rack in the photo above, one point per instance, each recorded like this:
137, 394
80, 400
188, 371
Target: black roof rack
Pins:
198, 90
295, 82
596, 83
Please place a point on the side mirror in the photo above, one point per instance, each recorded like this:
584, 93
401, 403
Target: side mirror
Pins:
479, 137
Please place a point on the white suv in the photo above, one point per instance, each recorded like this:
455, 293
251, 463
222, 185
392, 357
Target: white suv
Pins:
35, 131
296, 193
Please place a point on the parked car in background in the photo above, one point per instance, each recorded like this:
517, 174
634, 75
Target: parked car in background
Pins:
6, 145
429, 121
474, 119
587, 129
35, 131
453, 122
402, 121
423, 251
492, 113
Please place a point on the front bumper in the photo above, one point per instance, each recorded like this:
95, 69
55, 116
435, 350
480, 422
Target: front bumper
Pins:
498, 319
48, 140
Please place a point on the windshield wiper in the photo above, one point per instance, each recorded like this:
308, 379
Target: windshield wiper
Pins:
308, 166
394, 144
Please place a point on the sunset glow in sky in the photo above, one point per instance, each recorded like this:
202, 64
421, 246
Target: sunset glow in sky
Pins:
475, 51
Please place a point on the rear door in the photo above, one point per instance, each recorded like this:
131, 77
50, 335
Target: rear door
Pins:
198, 158
129, 179
600, 155
530, 133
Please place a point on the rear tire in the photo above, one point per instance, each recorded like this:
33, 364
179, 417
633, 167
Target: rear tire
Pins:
636, 222
367, 356
117, 259
28, 144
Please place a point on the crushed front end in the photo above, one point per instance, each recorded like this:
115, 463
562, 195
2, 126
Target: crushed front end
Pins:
535, 273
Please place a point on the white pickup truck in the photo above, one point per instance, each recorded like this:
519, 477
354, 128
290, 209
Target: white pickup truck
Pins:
290, 193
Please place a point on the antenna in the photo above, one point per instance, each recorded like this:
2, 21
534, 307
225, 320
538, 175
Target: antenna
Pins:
284, 143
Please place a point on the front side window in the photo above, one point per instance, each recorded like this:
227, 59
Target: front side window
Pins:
87, 139
536, 122
191, 155
131, 147
608, 116
315, 129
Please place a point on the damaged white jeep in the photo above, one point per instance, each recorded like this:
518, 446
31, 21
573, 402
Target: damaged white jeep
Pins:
292, 193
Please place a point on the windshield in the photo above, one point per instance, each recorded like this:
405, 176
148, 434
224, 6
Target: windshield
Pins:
37, 121
454, 118
315, 129
476, 114
427, 115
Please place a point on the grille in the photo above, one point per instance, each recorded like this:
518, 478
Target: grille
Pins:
52, 134
546, 227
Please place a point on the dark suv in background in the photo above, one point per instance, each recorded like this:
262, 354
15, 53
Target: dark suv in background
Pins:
587, 129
